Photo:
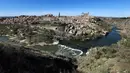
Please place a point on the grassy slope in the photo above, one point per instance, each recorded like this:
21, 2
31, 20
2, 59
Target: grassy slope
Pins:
112, 59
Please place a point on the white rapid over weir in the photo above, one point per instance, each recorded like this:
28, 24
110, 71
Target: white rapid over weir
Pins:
68, 51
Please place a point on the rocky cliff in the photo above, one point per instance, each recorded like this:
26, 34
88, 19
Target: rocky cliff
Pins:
84, 27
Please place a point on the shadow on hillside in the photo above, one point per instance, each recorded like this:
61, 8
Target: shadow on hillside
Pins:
14, 59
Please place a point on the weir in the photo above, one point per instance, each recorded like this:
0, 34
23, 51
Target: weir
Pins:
68, 51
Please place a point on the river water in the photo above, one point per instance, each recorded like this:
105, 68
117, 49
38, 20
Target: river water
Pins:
111, 38
74, 48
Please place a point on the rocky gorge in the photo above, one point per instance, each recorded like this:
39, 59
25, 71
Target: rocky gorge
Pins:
30, 33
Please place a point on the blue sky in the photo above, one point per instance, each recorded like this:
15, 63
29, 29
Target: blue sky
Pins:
65, 7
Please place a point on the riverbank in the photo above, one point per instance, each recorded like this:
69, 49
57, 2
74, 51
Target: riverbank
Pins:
109, 59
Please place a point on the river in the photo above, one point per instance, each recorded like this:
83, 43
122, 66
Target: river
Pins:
111, 38
76, 48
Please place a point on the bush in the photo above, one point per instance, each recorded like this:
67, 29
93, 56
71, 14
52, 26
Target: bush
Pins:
46, 36
126, 42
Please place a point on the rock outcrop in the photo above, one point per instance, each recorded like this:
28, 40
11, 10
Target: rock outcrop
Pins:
84, 27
